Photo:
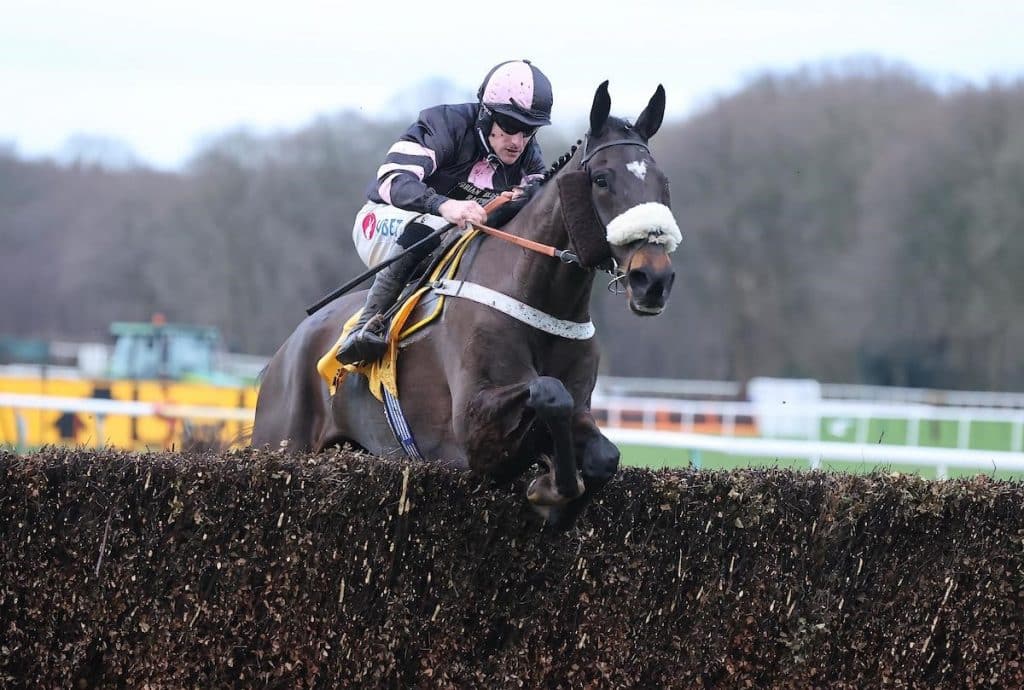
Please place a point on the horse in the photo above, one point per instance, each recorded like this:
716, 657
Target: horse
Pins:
486, 391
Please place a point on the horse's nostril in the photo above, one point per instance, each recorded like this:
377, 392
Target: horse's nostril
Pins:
638, 279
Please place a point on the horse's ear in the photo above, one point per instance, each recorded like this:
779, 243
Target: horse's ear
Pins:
599, 111
650, 119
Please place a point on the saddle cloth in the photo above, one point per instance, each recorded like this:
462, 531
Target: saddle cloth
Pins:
383, 374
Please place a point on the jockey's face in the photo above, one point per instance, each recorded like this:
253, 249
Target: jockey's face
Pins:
508, 147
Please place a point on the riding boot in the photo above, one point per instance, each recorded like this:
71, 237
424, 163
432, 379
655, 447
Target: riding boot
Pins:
367, 341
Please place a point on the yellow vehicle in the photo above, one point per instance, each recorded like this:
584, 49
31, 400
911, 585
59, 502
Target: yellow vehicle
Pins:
162, 384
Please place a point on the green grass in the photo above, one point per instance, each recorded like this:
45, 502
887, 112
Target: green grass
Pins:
937, 434
658, 458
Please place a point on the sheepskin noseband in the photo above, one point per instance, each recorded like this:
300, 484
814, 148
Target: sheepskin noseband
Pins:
650, 221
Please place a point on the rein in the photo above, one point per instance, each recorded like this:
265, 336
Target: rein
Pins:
564, 255
546, 249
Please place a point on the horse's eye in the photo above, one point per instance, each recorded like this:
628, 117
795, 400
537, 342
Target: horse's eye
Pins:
601, 181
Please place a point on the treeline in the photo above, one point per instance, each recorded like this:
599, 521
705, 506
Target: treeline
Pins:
850, 222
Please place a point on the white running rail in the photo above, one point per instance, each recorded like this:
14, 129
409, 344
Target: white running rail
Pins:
815, 450
622, 411
128, 408
687, 388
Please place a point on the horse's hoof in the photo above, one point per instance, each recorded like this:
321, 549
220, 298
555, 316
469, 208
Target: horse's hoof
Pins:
543, 511
542, 491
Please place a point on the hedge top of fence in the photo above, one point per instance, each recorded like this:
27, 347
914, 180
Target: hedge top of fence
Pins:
257, 568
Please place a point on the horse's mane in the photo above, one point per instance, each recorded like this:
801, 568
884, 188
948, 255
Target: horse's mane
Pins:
545, 178
560, 162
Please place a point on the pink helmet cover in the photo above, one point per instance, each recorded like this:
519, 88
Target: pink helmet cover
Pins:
510, 83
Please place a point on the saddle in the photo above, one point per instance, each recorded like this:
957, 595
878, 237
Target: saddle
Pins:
444, 263
382, 374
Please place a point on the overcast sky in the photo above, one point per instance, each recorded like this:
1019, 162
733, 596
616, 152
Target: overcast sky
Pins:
161, 76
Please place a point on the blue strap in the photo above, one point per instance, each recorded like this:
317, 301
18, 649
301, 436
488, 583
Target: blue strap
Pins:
399, 427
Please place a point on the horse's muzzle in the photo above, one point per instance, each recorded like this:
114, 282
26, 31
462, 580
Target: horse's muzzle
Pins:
649, 280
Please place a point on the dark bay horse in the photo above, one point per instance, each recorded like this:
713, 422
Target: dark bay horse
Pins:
481, 389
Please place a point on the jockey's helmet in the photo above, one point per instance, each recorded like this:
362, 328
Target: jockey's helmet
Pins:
516, 89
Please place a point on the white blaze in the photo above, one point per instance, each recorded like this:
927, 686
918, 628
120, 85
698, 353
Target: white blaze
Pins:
638, 168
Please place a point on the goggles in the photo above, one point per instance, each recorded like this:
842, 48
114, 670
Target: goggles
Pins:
510, 125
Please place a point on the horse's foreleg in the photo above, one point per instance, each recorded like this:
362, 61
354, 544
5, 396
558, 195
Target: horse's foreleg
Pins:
497, 421
553, 405
599, 461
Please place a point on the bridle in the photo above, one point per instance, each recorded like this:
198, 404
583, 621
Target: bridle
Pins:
618, 275
587, 155
564, 255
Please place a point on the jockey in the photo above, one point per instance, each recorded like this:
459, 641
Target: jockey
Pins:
446, 165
